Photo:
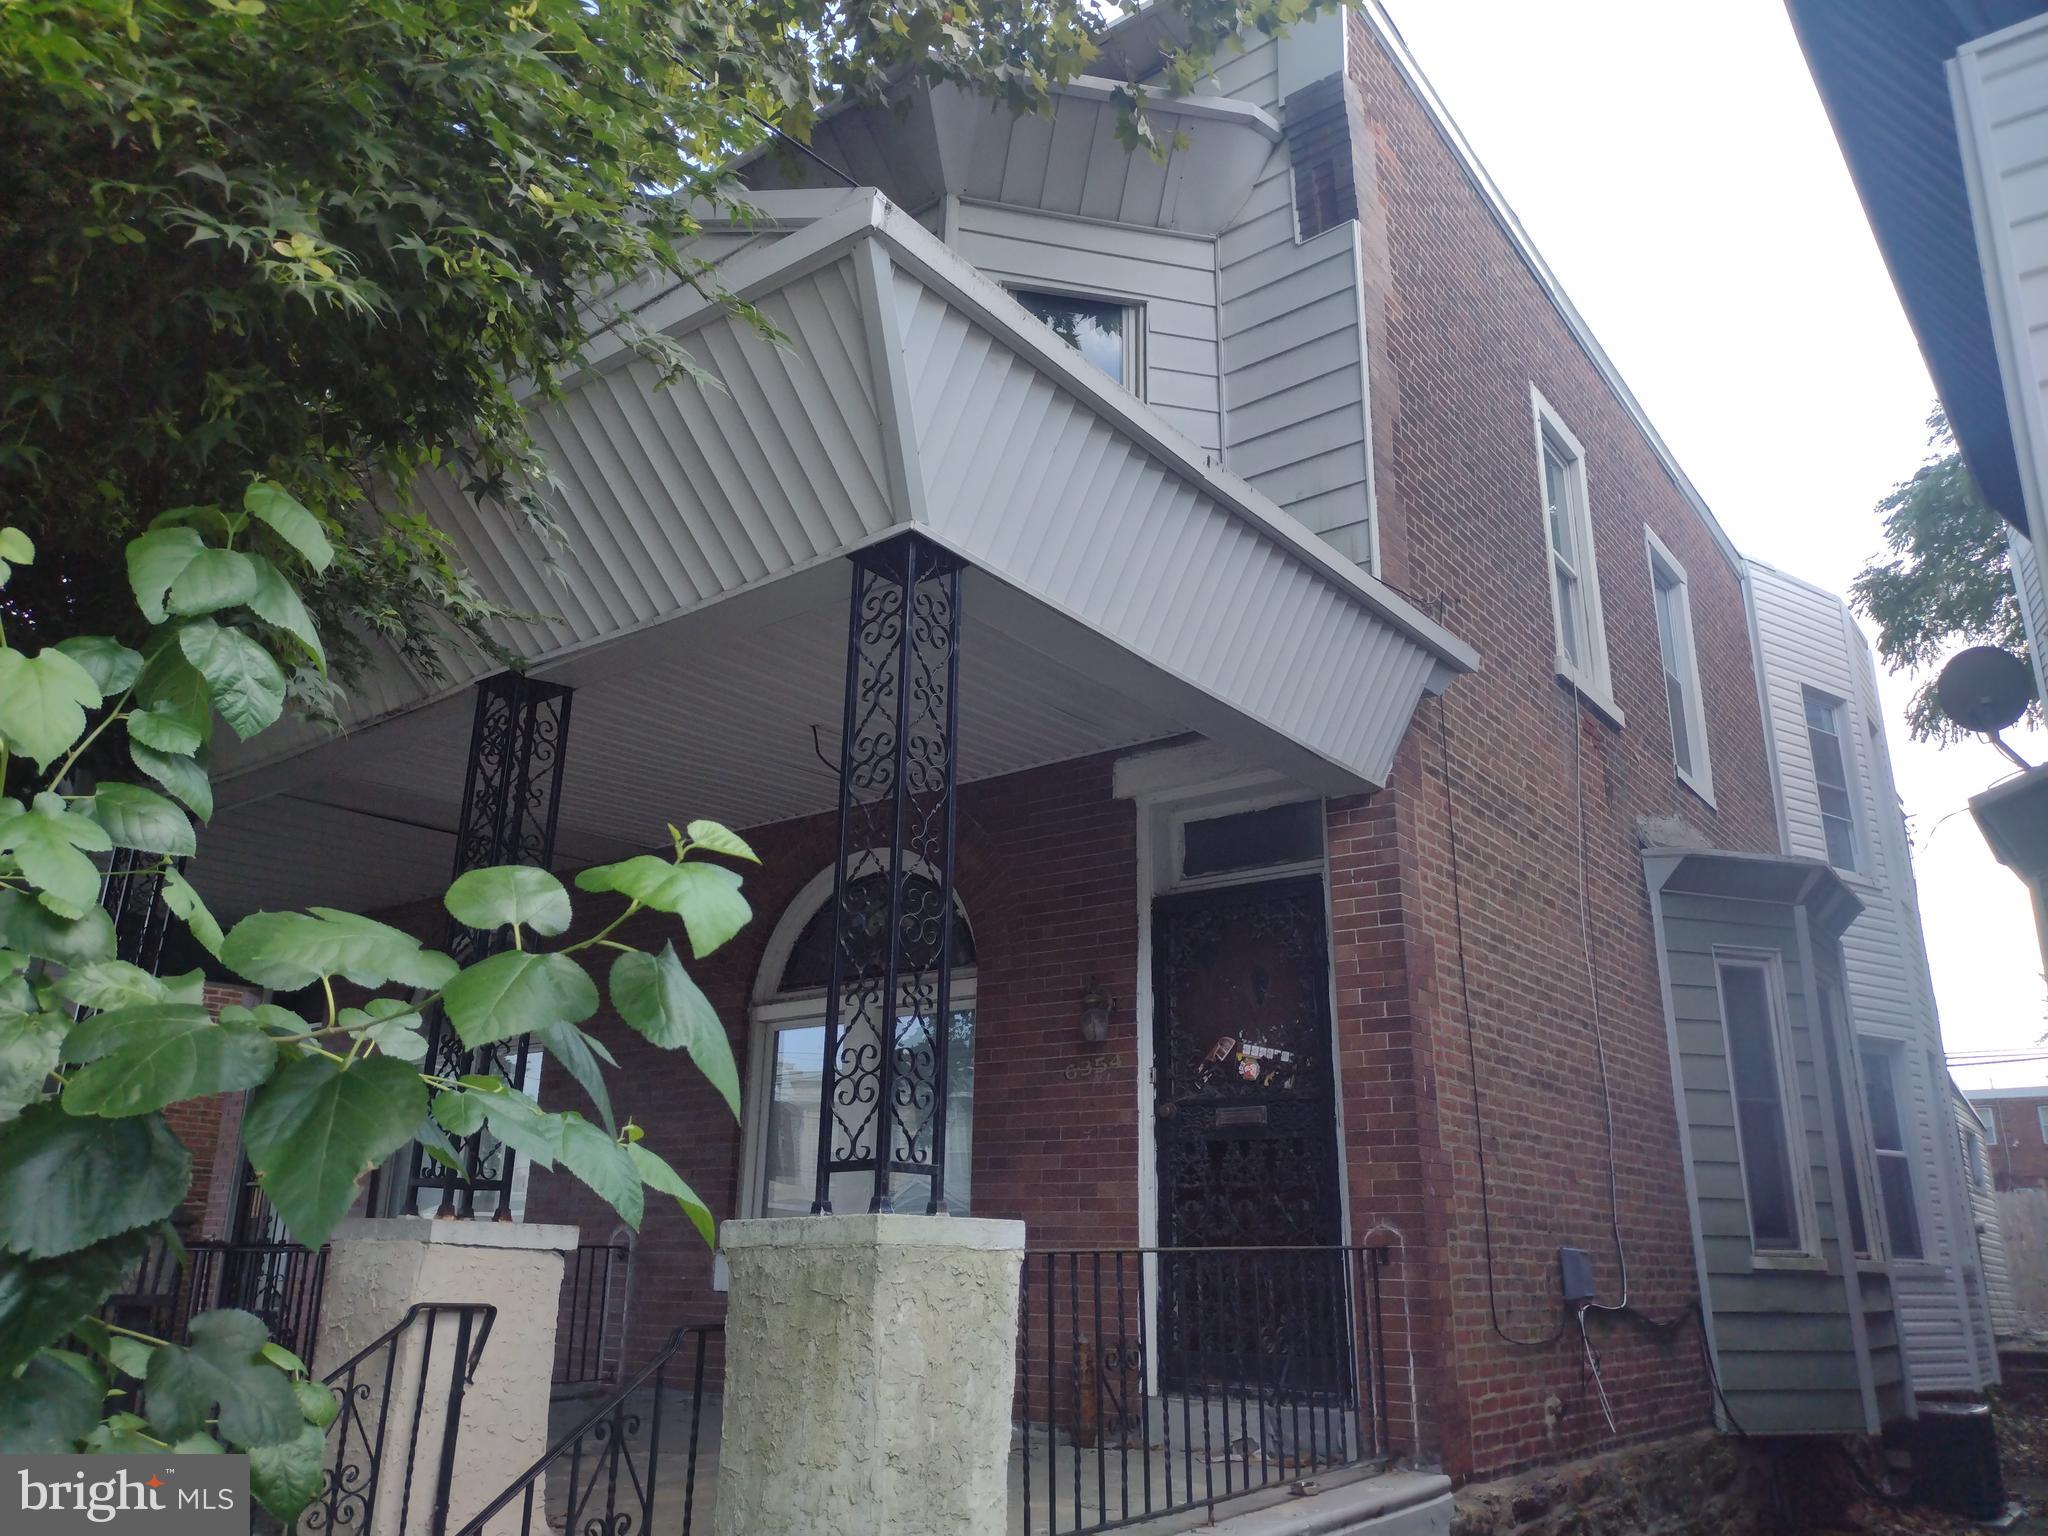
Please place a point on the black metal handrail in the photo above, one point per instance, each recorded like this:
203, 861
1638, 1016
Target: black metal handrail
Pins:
590, 1332
282, 1283
609, 1469
1156, 1380
355, 1475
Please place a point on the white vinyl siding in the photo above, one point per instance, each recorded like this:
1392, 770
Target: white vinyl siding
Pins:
1676, 649
1568, 539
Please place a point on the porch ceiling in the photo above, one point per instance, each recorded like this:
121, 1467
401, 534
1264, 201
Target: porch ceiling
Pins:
1121, 587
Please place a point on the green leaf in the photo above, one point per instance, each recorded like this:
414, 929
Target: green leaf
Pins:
314, 1130
47, 841
289, 950
283, 1358
182, 776
142, 819
28, 926
605, 1166
705, 896
47, 1409
144, 1058
16, 547
277, 509
31, 1045
515, 993
66, 1183
526, 1128
390, 1025
164, 730
212, 580
154, 561
276, 601
188, 988
42, 1301
716, 837
125, 1434
658, 1176
111, 665
656, 996
111, 984
435, 1143
221, 1366
318, 1403
286, 1477
459, 1114
571, 1049
184, 902
130, 1357
510, 893
172, 687
242, 678
43, 700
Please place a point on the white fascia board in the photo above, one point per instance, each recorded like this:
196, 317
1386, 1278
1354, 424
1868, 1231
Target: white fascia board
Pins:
1375, 16
1222, 109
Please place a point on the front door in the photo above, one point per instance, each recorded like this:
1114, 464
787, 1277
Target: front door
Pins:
1245, 1122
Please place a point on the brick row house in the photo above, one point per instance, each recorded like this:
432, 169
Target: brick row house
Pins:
1341, 807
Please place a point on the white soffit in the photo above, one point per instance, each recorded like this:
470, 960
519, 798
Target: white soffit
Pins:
911, 391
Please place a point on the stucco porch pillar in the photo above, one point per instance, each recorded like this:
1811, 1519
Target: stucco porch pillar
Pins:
870, 1361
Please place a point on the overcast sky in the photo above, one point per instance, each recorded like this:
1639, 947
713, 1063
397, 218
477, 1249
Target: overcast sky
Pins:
1675, 166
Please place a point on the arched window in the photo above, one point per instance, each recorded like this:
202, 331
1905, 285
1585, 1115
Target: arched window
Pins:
786, 1059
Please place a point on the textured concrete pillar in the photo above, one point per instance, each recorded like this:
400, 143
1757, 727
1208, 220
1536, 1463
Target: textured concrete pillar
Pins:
376, 1270
869, 1365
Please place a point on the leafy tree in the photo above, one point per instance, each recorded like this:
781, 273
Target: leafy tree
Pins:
1947, 583
93, 1050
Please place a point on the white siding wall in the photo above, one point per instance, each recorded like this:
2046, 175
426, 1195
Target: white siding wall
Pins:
2033, 591
1172, 277
1808, 640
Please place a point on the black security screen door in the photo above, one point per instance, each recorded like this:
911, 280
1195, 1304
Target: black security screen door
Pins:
1246, 1131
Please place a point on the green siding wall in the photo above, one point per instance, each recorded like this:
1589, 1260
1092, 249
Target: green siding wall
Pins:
1784, 1336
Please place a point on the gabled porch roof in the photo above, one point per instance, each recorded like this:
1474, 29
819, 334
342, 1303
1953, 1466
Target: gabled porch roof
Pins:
1122, 587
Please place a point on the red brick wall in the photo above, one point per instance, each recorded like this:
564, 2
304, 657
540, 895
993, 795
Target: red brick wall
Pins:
1048, 874
1461, 331
2019, 1156
210, 1129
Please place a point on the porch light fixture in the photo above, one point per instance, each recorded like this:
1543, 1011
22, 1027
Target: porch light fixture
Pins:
1096, 1007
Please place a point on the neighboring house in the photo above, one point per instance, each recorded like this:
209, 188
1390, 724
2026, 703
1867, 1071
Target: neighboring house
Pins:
1973, 1128
1939, 109
1333, 787
2015, 1135
1838, 802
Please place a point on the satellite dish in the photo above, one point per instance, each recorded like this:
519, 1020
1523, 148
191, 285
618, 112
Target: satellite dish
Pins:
1984, 689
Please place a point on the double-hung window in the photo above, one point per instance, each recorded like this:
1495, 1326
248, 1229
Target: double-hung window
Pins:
1105, 333
1882, 1089
1682, 695
1764, 1119
1824, 738
1568, 537
1847, 1143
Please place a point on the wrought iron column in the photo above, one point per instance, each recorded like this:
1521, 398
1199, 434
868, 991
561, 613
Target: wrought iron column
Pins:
888, 1014
511, 797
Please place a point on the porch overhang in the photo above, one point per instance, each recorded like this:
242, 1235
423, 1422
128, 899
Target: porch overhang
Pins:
1120, 586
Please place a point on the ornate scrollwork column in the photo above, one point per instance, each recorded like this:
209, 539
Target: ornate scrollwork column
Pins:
511, 799
888, 1014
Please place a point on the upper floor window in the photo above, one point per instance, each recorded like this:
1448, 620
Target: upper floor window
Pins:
1831, 778
1568, 534
1990, 1118
1682, 694
1763, 1100
1881, 1089
1102, 332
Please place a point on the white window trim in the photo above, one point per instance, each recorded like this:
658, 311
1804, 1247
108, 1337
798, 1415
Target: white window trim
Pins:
1899, 1066
1592, 680
1862, 1156
1133, 380
1852, 782
1666, 571
772, 1011
1807, 1253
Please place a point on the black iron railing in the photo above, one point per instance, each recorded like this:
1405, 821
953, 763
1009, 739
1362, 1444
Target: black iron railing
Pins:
606, 1473
281, 1283
590, 1333
401, 1415
1157, 1380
